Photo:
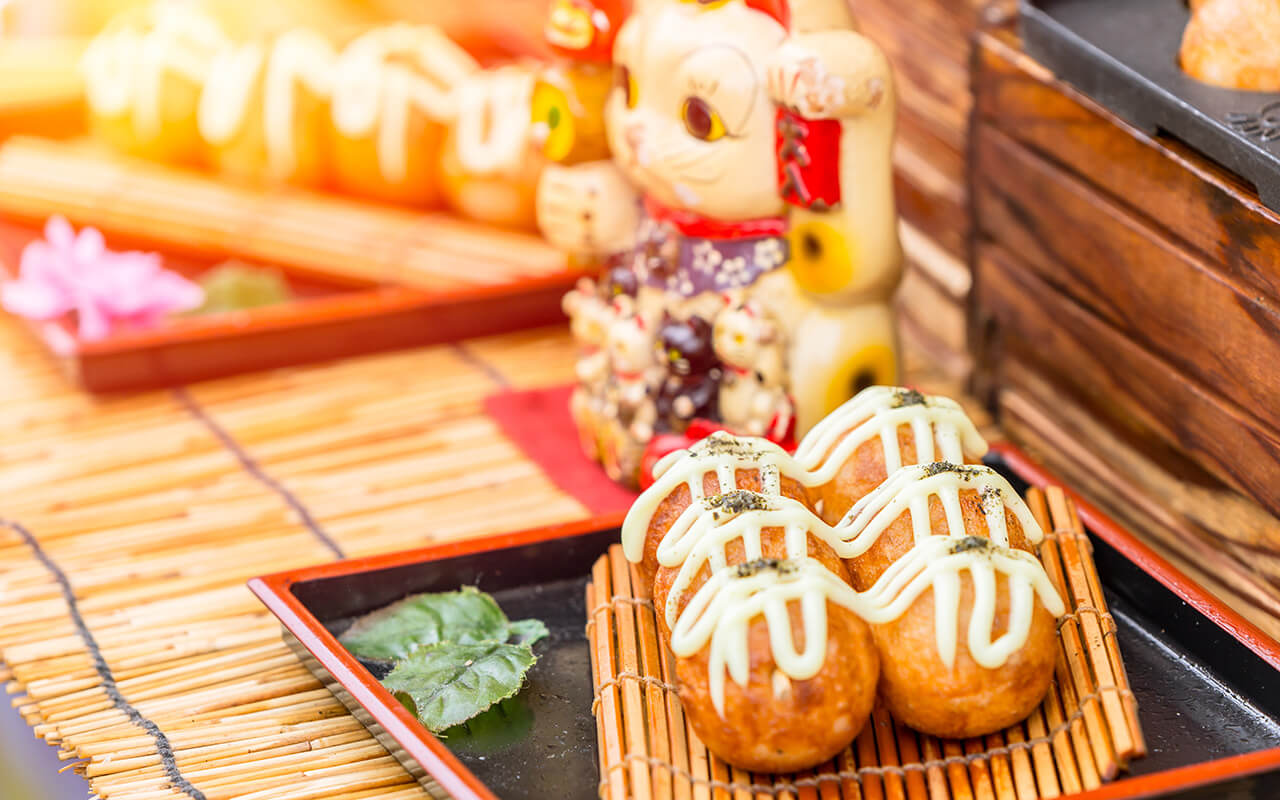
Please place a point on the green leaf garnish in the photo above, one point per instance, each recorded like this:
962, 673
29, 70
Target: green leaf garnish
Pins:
235, 285
468, 616
447, 684
528, 631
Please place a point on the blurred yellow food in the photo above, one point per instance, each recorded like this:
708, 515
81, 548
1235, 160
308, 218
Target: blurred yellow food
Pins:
264, 111
143, 77
1234, 43
489, 168
391, 103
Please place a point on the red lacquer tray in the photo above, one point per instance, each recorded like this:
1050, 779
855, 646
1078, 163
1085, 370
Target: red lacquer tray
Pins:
1207, 681
329, 317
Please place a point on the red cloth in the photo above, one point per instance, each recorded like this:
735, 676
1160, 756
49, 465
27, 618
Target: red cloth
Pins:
538, 422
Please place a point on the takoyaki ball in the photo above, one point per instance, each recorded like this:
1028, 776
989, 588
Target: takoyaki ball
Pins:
899, 537
674, 504
775, 723
860, 474
772, 545
967, 699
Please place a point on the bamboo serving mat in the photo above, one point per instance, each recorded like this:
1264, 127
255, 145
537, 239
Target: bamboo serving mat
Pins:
1084, 732
129, 525
329, 235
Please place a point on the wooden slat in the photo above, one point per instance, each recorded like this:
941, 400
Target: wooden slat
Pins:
328, 236
1177, 190
1164, 297
371, 447
1097, 361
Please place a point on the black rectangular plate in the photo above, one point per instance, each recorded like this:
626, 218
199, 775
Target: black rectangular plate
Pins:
1202, 694
1124, 55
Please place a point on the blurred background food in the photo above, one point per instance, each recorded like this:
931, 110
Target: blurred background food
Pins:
244, 19
1234, 44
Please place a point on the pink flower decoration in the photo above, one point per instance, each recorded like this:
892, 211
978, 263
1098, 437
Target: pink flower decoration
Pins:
76, 272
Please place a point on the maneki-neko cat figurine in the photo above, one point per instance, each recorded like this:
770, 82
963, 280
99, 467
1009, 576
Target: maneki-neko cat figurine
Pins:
749, 198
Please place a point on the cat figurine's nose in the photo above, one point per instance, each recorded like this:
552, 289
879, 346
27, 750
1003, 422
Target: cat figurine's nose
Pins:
634, 134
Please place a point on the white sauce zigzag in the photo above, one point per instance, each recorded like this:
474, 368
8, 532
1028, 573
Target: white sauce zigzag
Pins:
879, 411
875, 411
297, 58
720, 611
373, 85
374, 89
494, 126
125, 66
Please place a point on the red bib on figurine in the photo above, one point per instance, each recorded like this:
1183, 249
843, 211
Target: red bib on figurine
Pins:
808, 160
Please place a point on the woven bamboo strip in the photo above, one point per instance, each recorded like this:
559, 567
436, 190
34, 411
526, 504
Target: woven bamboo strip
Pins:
1058, 749
1094, 756
608, 713
330, 235
654, 697
1104, 655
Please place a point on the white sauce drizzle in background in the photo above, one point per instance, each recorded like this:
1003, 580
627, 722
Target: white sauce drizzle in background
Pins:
494, 125
124, 67
373, 85
373, 90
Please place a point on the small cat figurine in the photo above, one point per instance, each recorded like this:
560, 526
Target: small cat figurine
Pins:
753, 395
691, 387
634, 370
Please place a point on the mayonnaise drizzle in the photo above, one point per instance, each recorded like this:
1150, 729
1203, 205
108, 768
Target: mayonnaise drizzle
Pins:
296, 58
373, 85
721, 610
720, 453
374, 89
494, 122
125, 66
879, 411
910, 488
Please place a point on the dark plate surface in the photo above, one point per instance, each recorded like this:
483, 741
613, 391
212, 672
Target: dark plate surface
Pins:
1206, 691
543, 742
1201, 694
1124, 54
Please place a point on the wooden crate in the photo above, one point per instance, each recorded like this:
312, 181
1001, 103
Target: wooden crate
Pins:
1126, 310
930, 50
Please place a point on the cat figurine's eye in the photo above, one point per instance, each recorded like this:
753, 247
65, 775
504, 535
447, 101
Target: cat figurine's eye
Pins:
627, 83
701, 120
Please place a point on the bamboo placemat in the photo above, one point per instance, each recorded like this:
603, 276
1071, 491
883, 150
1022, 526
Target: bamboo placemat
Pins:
131, 524
1084, 732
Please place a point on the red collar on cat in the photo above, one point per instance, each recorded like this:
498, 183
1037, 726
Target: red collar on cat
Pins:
780, 10
693, 224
